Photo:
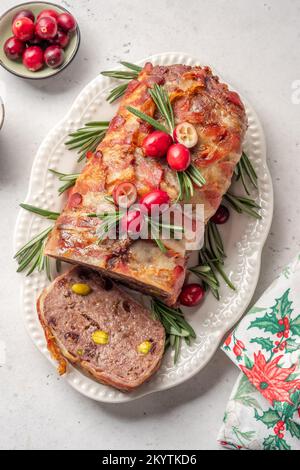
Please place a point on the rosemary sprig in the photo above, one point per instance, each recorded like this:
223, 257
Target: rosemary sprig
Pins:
213, 242
156, 228
244, 170
163, 104
87, 138
208, 278
243, 205
42, 212
190, 177
69, 180
110, 220
211, 261
119, 91
31, 255
120, 74
153, 122
131, 66
175, 325
187, 179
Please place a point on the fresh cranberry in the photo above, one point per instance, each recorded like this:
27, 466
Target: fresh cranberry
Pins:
156, 144
125, 194
33, 58
286, 333
46, 13
154, 198
221, 216
13, 48
191, 295
23, 28
186, 134
178, 157
66, 22
37, 41
280, 322
132, 222
46, 27
280, 334
62, 39
75, 199
54, 56
24, 14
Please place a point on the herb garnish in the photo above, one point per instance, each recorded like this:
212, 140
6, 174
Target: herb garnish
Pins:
191, 176
243, 170
87, 138
175, 325
69, 180
243, 204
111, 220
119, 91
31, 255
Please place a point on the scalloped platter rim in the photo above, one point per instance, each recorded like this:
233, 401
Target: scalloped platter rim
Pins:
243, 238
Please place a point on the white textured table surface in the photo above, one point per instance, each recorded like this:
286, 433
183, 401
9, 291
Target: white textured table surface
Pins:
255, 45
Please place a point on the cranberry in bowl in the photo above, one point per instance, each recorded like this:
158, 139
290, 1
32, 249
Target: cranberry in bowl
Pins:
38, 24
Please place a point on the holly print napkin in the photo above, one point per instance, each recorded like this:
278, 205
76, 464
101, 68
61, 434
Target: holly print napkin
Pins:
266, 347
251, 423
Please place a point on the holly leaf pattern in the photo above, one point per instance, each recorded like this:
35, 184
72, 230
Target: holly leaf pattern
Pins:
269, 418
245, 387
293, 428
270, 443
274, 443
267, 323
243, 394
282, 444
282, 307
291, 346
265, 343
249, 402
295, 326
248, 363
286, 409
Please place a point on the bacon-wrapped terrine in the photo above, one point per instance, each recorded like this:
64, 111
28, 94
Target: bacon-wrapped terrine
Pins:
219, 117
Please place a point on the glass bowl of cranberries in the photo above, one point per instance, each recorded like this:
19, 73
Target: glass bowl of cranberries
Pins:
38, 39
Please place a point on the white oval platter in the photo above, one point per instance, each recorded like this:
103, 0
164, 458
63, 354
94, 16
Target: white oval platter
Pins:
244, 238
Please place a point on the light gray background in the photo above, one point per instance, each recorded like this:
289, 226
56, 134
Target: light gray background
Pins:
255, 44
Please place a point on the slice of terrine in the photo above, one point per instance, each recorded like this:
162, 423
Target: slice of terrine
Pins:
90, 322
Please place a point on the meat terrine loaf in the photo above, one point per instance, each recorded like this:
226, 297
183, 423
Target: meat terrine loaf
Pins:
94, 324
198, 97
